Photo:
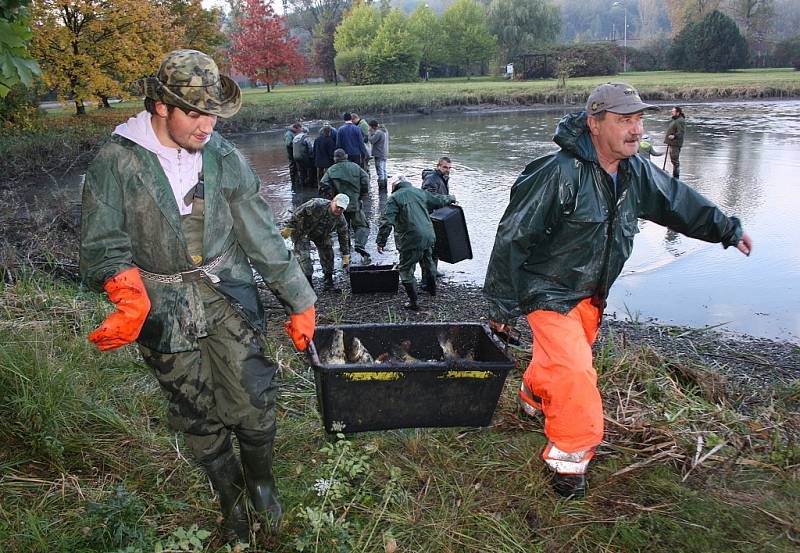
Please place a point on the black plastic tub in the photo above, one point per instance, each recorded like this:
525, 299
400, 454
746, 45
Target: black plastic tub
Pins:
426, 392
374, 278
452, 237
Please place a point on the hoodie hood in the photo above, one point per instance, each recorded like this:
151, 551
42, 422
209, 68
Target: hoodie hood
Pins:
181, 167
572, 135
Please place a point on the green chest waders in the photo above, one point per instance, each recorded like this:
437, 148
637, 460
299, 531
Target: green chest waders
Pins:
192, 224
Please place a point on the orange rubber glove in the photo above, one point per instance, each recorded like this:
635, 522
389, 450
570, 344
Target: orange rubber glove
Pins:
300, 328
127, 291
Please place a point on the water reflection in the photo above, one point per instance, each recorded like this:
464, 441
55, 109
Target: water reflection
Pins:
742, 155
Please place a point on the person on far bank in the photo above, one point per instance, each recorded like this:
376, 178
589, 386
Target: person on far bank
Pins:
674, 139
379, 139
314, 221
350, 139
346, 177
172, 226
560, 245
324, 146
647, 149
437, 181
288, 137
407, 211
303, 152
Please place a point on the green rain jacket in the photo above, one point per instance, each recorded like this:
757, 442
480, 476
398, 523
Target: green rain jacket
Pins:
676, 128
407, 211
566, 234
346, 177
129, 218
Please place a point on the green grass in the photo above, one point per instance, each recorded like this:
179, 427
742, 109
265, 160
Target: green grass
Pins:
88, 463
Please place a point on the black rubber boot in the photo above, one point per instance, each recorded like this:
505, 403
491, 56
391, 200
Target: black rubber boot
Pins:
571, 486
412, 297
328, 284
225, 474
257, 463
430, 285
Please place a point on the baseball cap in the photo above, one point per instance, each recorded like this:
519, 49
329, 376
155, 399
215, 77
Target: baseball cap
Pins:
341, 200
396, 179
619, 98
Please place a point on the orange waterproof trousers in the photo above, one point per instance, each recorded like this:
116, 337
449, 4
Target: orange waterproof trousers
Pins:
562, 376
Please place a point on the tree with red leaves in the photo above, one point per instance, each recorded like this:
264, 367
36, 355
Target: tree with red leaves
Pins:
262, 49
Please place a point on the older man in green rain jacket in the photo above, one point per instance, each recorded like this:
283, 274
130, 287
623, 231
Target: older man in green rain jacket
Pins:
172, 222
407, 211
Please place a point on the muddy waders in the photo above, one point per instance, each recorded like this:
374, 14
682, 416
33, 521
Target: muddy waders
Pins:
226, 385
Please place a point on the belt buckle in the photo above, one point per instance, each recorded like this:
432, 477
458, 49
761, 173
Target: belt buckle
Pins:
192, 276
198, 274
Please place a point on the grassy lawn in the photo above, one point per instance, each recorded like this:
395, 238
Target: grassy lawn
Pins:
88, 463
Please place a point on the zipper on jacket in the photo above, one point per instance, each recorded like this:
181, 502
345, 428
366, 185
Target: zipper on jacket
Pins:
601, 292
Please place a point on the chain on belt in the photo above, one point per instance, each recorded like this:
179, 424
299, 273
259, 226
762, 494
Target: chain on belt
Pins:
193, 275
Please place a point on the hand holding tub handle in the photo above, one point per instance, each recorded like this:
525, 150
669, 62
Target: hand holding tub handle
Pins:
300, 328
127, 291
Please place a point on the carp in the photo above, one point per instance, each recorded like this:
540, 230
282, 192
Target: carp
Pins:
358, 353
334, 355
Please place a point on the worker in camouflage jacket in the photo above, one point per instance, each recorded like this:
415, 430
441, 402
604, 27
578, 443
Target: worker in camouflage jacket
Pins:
407, 211
348, 178
560, 245
314, 221
172, 221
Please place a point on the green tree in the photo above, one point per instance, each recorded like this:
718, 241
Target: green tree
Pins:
358, 28
201, 28
468, 41
427, 31
713, 44
16, 65
394, 54
523, 25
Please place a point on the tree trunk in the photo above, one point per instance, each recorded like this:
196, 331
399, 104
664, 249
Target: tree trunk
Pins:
268, 88
80, 107
104, 102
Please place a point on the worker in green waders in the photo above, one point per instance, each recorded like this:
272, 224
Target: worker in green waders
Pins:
407, 212
172, 222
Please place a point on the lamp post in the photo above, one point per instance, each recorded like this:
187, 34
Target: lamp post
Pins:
624, 35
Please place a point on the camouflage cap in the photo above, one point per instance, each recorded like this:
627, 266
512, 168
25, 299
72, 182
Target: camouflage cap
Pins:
190, 79
619, 98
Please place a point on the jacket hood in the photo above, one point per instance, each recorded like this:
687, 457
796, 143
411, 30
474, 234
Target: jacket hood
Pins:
139, 129
572, 135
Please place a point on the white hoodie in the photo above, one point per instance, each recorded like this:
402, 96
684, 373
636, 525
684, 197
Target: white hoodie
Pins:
180, 166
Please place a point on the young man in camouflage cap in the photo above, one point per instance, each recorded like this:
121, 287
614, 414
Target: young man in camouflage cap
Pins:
563, 240
314, 221
172, 221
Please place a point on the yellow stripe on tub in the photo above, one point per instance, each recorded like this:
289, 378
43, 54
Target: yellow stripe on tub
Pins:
373, 375
467, 374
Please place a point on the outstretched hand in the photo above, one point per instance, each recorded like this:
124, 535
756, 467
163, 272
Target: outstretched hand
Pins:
745, 245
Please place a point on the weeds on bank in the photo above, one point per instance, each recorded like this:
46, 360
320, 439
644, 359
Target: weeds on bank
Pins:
89, 465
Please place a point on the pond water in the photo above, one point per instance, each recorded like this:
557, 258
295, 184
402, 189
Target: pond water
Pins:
745, 156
